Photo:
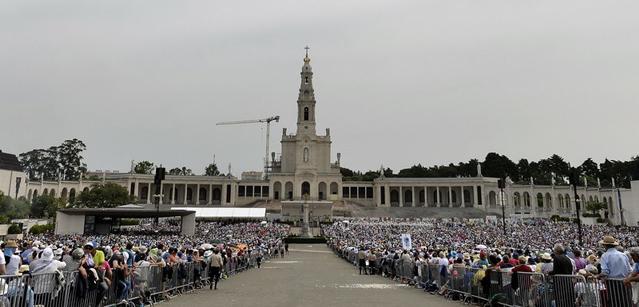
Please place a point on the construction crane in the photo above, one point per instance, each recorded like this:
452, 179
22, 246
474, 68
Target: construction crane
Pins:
268, 121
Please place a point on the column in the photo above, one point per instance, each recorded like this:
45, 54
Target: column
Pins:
233, 193
387, 195
197, 194
137, 190
173, 194
378, 199
223, 196
210, 195
438, 200
414, 201
474, 196
148, 195
161, 194
186, 188
463, 199
450, 197
401, 196
425, 196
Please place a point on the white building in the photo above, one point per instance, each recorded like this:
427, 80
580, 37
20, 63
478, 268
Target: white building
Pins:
305, 171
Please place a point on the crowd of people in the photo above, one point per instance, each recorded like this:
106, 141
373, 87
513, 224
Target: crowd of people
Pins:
481, 247
122, 265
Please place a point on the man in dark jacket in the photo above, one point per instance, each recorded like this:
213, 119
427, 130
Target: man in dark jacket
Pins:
562, 284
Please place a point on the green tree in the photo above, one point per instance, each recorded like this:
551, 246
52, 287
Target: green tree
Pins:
14, 209
14, 229
183, 171
211, 170
143, 167
108, 195
45, 206
69, 156
595, 207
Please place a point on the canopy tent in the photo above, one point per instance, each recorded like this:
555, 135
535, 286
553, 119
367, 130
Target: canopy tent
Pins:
226, 213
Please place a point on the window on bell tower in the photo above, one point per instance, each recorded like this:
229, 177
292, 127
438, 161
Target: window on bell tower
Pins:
306, 79
306, 113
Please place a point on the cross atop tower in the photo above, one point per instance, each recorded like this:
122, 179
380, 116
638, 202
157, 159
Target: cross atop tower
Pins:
307, 48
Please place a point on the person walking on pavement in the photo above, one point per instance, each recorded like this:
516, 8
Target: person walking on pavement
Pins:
361, 255
215, 267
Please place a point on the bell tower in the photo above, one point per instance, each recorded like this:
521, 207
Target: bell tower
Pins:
306, 100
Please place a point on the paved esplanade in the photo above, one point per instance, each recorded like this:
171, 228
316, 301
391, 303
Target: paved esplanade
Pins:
311, 275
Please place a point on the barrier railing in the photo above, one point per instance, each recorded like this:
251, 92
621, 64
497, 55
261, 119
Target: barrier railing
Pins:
502, 287
147, 284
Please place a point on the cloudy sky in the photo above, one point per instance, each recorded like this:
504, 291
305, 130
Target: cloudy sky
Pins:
398, 82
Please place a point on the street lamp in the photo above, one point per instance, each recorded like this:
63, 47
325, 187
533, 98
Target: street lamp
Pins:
574, 180
501, 183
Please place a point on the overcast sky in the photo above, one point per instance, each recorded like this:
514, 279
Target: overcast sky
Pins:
398, 83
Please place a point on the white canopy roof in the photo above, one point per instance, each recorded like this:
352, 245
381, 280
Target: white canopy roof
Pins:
251, 213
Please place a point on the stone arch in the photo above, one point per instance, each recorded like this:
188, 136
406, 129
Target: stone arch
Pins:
305, 189
144, 191
64, 194
467, 197
611, 206
408, 198
334, 188
45, 192
203, 194
526, 200
288, 190
189, 194
560, 202
421, 198
596, 198
29, 194
590, 199
394, 198
492, 199
277, 190
321, 190
216, 194
567, 202
72, 195
86, 189
540, 201
52, 193
35, 194
517, 200
548, 202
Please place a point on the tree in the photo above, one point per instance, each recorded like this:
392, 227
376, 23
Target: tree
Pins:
14, 209
14, 229
176, 171
595, 207
45, 206
211, 170
108, 195
64, 161
143, 167
69, 156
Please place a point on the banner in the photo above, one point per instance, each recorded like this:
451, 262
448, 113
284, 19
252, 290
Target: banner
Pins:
406, 241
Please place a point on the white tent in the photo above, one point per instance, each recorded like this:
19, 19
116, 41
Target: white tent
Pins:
234, 213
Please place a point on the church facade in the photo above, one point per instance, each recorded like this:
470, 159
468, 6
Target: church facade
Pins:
306, 170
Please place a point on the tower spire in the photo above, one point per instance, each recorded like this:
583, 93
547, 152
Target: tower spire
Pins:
306, 98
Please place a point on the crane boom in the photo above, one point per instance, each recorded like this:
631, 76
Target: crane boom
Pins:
268, 121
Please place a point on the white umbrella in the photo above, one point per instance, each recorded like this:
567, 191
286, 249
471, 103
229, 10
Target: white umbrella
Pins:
206, 246
481, 246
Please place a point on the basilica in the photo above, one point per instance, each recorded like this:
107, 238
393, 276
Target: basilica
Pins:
307, 170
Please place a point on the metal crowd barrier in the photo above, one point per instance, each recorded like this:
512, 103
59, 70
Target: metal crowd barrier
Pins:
149, 284
503, 288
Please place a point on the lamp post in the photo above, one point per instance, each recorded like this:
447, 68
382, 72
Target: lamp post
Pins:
574, 180
159, 176
501, 183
